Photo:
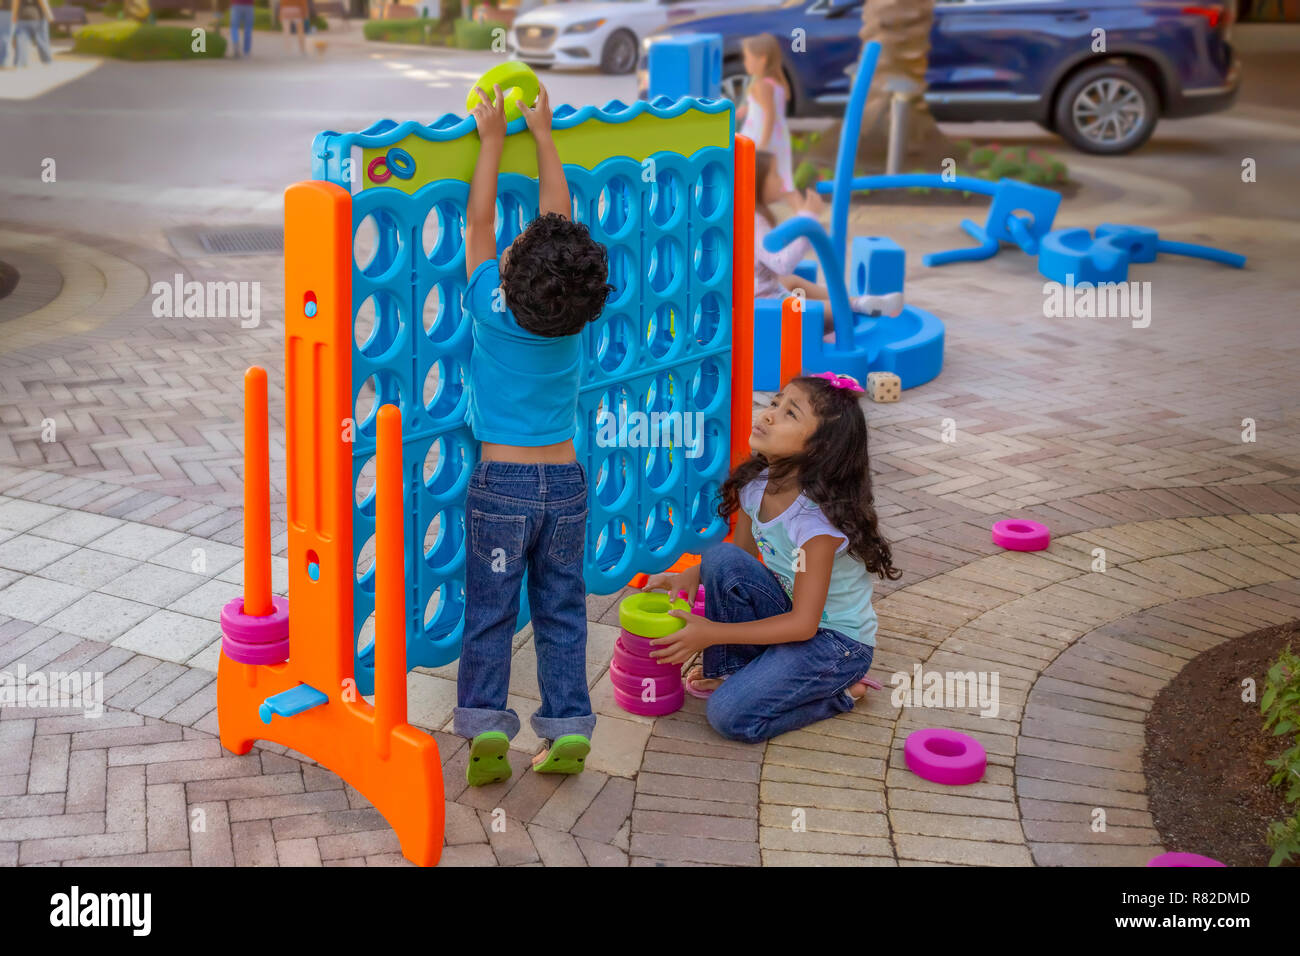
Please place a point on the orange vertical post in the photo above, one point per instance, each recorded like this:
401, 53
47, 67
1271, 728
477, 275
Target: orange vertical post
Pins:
742, 300
390, 581
791, 339
257, 497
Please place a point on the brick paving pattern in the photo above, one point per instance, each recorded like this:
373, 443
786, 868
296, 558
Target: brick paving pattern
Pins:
119, 543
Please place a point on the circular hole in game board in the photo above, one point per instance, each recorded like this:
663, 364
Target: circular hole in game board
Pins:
512, 217
378, 324
611, 341
613, 552
708, 319
706, 384
615, 208
665, 265
710, 255
664, 395
442, 313
620, 275
364, 487
378, 390
313, 565
661, 460
661, 530
704, 509
377, 243
444, 609
665, 197
444, 384
444, 539
614, 481
713, 447
366, 565
444, 464
366, 636
443, 232
710, 191
661, 330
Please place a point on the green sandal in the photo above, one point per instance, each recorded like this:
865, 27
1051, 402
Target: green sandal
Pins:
568, 754
487, 759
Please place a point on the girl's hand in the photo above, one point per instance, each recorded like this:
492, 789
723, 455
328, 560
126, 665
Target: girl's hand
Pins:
681, 646
672, 583
813, 202
538, 116
490, 116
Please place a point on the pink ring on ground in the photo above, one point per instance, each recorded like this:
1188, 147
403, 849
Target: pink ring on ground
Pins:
945, 756
1019, 535
248, 629
664, 684
272, 652
1183, 859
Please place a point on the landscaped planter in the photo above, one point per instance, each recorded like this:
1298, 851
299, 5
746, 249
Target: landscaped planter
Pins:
128, 40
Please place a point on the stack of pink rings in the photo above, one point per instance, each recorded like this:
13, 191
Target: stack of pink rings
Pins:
643, 685
252, 639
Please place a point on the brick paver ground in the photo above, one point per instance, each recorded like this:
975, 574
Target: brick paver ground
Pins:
119, 543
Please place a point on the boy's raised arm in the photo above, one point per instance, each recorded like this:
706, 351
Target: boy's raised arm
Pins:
480, 212
553, 188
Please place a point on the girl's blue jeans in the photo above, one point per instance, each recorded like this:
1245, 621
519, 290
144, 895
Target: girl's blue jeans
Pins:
531, 517
770, 688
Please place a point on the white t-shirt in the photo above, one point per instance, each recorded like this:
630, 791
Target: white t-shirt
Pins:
848, 602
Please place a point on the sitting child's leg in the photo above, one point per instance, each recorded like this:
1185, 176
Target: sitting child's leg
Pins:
737, 587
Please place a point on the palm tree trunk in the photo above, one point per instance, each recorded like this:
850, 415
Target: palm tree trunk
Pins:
902, 28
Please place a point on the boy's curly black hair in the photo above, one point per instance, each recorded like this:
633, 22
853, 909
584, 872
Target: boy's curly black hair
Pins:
555, 277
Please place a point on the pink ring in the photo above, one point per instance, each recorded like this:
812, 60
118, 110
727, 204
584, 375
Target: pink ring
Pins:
273, 652
638, 646
1017, 535
633, 703
376, 177
248, 629
630, 663
1183, 859
634, 684
945, 756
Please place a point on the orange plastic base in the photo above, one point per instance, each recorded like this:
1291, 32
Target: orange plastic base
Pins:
405, 786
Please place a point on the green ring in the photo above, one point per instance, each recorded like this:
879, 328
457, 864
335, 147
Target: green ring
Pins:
646, 614
510, 75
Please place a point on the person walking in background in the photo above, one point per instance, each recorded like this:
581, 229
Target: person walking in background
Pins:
293, 15
6, 21
31, 25
241, 18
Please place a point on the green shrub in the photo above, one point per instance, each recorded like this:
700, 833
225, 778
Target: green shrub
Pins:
419, 30
474, 36
804, 175
982, 155
262, 21
1280, 706
128, 40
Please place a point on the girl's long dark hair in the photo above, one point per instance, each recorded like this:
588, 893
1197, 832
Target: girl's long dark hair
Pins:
833, 471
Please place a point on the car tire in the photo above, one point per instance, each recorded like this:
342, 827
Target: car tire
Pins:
619, 54
734, 79
1107, 109
540, 66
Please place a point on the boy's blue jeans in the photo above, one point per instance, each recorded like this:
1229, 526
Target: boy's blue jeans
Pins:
521, 517
770, 688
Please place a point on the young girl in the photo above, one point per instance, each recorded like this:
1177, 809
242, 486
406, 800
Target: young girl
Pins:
762, 115
788, 639
774, 276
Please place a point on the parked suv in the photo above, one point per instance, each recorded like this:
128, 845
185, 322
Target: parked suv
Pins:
1098, 72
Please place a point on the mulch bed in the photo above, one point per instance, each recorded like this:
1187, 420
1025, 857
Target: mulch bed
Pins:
1206, 751
8, 279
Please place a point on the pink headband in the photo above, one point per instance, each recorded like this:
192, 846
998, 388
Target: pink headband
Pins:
841, 381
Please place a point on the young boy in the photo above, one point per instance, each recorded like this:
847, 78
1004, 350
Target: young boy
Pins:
527, 500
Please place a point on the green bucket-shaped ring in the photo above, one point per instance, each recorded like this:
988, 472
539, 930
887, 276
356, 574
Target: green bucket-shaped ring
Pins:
646, 614
511, 75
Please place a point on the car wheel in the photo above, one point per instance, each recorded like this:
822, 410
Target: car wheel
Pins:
1107, 109
733, 84
540, 66
620, 53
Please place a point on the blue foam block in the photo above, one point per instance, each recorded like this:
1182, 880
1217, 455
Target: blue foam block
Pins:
876, 266
688, 64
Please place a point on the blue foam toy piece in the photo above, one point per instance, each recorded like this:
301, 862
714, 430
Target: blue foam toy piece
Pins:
1072, 255
662, 344
876, 266
807, 270
292, 701
847, 154
687, 64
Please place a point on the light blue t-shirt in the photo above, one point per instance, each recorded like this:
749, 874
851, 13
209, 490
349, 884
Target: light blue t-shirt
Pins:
848, 602
523, 388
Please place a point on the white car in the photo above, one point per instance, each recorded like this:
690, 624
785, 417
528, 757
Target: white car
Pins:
607, 35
